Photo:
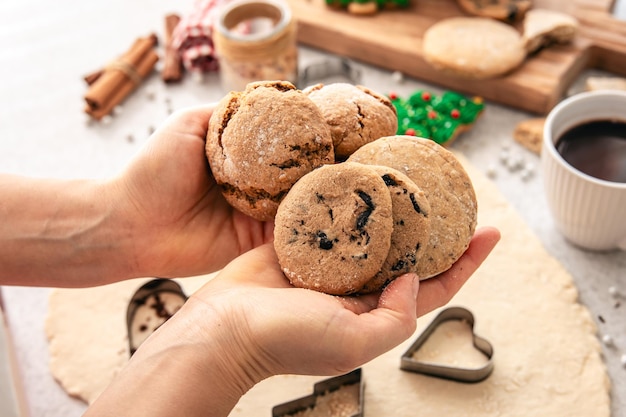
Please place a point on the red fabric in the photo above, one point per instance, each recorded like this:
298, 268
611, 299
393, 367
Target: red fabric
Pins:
193, 36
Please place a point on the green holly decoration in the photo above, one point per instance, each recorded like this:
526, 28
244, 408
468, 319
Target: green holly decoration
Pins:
435, 117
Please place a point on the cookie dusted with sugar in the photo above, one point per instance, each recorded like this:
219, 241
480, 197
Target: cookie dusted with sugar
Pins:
333, 229
473, 47
356, 115
261, 141
448, 189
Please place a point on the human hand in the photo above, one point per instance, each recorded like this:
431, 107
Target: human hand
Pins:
175, 210
281, 329
249, 323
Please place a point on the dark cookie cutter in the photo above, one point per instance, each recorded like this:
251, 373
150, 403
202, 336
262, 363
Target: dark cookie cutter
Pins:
155, 286
407, 363
327, 69
321, 388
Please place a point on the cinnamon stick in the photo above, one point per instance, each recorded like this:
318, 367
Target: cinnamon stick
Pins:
93, 77
172, 64
122, 90
120, 73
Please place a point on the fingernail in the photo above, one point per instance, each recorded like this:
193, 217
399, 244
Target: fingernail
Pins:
416, 285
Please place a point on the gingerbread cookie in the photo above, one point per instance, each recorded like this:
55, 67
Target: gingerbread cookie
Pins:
261, 141
473, 47
333, 229
505, 10
529, 133
437, 172
440, 118
356, 115
411, 228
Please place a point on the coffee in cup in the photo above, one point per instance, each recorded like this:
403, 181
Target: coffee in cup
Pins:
583, 162
596, 148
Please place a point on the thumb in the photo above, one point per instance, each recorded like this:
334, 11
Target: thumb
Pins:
401, 293
400, 297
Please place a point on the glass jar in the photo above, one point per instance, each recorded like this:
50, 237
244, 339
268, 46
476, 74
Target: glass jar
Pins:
255, 40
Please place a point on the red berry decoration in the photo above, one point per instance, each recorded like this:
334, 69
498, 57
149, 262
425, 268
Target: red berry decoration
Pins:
393, 95
455, 113
432, 114
426, 96
409, 132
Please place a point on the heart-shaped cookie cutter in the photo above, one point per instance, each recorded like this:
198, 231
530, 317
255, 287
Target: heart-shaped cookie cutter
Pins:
407, 362
152, 288
322, 388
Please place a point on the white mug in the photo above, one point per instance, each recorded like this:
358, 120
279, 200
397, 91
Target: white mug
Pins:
589, 212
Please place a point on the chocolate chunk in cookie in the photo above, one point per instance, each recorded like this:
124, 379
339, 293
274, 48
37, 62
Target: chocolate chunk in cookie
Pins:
333, 229
261, 141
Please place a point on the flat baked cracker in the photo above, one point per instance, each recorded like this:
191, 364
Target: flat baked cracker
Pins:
547, 356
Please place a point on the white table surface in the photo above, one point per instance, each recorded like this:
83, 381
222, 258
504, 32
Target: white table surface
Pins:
45, 49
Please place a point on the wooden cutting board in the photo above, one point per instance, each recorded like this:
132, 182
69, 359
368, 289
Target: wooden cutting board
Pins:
393, 40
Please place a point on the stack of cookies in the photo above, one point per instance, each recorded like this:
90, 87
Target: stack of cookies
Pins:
263, 139
354, 205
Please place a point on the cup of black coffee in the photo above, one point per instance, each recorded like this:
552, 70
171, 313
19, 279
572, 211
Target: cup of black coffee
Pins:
583, 161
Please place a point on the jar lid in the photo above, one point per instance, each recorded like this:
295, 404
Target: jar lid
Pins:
242, 11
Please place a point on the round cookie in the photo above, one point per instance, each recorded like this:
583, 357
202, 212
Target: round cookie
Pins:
411, 228
448, 188
356, 115
261, 141
473, 47
333, 229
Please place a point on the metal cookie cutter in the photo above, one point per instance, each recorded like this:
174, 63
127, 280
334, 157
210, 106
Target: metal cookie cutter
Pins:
407, 362
323, 388
331, 70
154, 298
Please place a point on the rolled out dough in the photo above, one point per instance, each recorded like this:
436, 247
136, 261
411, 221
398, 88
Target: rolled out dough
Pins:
547, 356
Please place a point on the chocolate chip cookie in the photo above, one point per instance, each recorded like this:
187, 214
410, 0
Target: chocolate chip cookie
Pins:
333, 229
448, 189
261, 141
411, 228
